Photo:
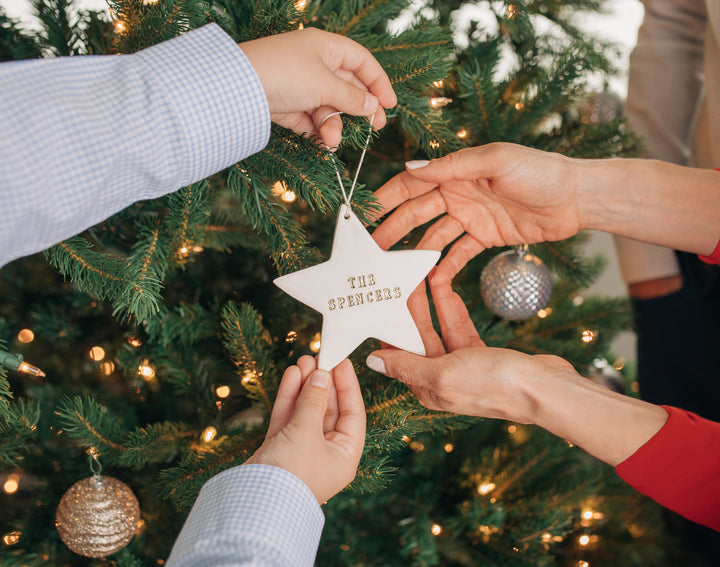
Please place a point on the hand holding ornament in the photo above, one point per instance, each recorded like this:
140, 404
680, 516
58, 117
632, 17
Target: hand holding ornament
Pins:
309, 74
503, 194
317, 427
545, 390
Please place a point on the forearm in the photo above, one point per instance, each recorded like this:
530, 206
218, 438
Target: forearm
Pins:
84, 137
651, 201
608, 425
251, 515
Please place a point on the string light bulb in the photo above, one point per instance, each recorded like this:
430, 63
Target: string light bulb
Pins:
146, 371
439, 84
15, 362
26, 336
439, 101
12, 484
462, 133
449, 447
248, 377
315, 343
107, 367
486, 487
209, 434
97, 353
588, 336
436, 529
11, 538
222, 391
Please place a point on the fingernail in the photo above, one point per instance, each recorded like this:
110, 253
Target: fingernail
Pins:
320, 378
376, 363
416, 164
371, 103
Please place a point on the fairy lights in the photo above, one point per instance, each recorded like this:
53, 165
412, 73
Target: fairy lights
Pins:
26, 336
209, 434
12, 484
439, 101
97, 353
315, 343
107, 367
485, 488
436, 529
11, 538
146, 371
588, 336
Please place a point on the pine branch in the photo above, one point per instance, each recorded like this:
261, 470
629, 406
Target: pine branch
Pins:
86, 421
182, 483
18, 425
132, 289
155, 443
145, 23
251, 348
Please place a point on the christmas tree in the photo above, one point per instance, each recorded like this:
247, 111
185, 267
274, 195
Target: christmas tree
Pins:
163, 339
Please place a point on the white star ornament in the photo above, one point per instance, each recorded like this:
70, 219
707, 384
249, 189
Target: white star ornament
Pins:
361, 291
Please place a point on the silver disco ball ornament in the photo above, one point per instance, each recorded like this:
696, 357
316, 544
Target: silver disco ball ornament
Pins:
515, 285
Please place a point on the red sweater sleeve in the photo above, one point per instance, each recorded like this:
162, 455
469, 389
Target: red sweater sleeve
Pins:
714, 258
679, 467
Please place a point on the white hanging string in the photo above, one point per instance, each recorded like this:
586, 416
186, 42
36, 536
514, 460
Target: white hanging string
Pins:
348, 196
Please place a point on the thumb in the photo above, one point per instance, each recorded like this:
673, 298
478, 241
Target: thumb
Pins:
313, 401
349, 98
408, 368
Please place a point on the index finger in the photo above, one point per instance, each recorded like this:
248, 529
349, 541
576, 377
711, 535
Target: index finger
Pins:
358, 60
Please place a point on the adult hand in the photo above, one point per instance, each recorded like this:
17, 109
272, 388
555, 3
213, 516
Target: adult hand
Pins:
317, 427
544, 390
471, 379
308, 74
495, 195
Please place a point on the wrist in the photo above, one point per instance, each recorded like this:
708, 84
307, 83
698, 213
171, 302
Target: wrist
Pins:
602, 185
547, 377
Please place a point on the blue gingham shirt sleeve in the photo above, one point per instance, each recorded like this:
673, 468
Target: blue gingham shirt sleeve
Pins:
251, 516
81, 138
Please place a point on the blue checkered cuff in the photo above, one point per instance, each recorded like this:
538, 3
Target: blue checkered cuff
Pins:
251, 515
216, 91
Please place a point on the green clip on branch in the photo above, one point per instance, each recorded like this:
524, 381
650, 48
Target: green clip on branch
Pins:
15, 362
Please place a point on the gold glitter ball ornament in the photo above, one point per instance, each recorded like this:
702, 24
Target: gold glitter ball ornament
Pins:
97, 516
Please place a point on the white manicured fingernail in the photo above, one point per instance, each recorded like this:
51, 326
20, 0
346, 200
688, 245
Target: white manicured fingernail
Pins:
416, 164
376, 363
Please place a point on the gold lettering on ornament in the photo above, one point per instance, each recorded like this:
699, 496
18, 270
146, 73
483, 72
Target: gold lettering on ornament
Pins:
364, 297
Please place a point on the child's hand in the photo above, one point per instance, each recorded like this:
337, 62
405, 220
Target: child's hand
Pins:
317, 427
309, 74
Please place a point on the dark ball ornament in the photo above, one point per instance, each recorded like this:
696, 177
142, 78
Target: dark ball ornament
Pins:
515, 284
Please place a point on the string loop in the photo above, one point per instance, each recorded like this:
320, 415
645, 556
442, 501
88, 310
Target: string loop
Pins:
348, 196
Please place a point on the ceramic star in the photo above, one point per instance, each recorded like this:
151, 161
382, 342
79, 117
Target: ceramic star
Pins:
361, 291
